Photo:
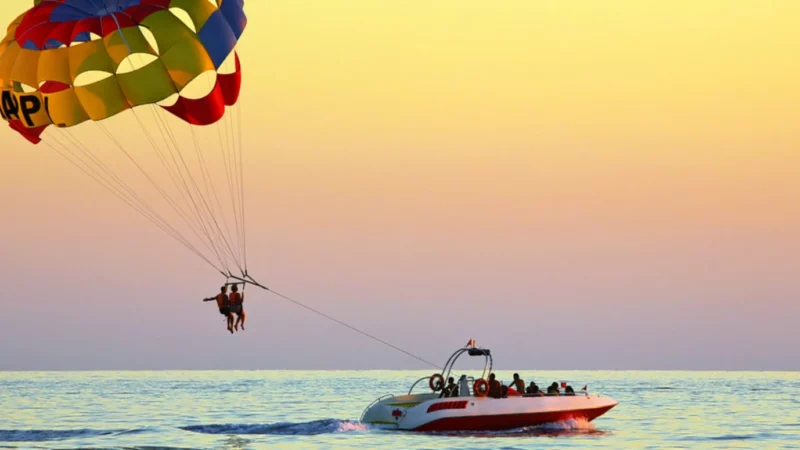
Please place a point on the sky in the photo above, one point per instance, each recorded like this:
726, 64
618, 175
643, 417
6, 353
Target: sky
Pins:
581, 185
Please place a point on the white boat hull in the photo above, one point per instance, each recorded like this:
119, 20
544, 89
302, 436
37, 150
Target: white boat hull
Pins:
427, 412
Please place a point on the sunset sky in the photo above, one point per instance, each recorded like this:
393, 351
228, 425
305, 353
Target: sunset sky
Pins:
577, 185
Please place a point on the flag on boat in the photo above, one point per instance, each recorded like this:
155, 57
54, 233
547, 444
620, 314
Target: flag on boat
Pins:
471, 343
584, 387
563, 385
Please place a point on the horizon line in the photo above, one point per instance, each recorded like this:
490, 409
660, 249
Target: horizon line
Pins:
395, 370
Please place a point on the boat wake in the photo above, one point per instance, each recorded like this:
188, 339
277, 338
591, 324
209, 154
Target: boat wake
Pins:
332, 426
56, 435
315, 427
572, 427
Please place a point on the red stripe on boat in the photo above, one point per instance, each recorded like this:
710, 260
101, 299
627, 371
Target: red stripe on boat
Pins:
508, 421
447, 405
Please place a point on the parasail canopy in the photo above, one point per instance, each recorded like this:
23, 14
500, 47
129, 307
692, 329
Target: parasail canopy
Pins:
65, 62
92, 70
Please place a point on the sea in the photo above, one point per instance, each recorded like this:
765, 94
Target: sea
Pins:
321, 409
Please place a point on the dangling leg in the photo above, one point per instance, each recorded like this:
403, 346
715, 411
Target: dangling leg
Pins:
243, 316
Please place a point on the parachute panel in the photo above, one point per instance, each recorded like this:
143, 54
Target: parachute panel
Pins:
218, 38
102, 99
150, 84
65, 109
26, 67
167, 29
127, 41
90, 56
9, 57
54, 66
197, 11
185, 61
233, 10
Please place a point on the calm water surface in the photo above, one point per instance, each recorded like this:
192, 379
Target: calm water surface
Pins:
292, 410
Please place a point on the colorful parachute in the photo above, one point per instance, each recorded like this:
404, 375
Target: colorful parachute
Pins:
70, 62
50, 46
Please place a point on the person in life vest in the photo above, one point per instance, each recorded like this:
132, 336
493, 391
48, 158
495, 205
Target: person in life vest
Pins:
223, 302
237, 307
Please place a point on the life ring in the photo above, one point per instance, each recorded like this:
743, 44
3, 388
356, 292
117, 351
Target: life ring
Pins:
436, 382
480, 388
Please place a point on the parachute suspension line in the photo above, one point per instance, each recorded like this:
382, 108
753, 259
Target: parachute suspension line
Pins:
138, 166
208, 213
104, 183
234, 172
250, 280
147, 134
194, 184
98, 177
187, 193
169, 200
238, 110
193, 224
170, 170
237, 145
181, 213
205, 223
158, 188
225, 151
178, 210
226, 163
208, 180
102, 166
229, 135
121, 34
112, 180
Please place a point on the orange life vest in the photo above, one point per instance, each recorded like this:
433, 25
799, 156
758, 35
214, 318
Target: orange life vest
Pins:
237, 298
222, 300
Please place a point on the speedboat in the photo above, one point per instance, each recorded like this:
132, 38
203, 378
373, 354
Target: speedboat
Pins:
472, 409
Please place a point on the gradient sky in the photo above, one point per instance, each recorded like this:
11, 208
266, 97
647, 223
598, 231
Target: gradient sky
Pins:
598, 185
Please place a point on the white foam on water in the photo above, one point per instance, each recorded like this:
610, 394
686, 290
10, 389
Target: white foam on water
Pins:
315, 427
569, 425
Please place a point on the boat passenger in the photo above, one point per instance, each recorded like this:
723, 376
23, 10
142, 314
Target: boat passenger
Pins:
569, 391
237, 307
553, 389
495, 389
223, 303
518, 384
463, 384
533, 389
451, 390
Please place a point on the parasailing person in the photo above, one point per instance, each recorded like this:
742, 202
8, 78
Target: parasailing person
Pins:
224, 304
237, 306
